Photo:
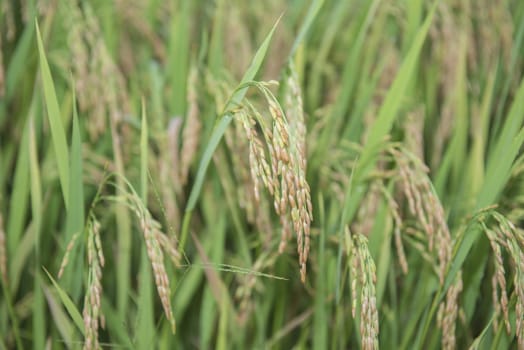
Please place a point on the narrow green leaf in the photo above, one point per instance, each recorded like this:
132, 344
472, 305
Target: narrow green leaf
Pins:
145, 330
143, 154
315, 6
504, 152
116, 326
18, 202
222, 324
39, 316
348, 80
19, 62
38, 311
218, 132
75, 220
179, 56
320, 321
68, 304
55, 120
209, 305
60, 319
21, 256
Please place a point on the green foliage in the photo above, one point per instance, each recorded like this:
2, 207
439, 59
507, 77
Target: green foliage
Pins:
215, 124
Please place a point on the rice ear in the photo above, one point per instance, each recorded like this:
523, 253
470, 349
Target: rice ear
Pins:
92, 313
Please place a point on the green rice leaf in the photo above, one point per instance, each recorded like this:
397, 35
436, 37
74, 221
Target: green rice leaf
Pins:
68, 304
55, 120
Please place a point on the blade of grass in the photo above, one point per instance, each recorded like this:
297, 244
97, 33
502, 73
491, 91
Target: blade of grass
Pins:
179, 56
230, 194
19, 63
55, 120
209, 305
330, 36
68, 304
18, 202
12, 314
216, 51
320, 320
38, 311
477, 162
18, 262
116, 327
75, 217
144, 134
313, 10
59, 317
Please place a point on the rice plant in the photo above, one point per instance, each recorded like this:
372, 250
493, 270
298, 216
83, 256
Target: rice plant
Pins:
262, 175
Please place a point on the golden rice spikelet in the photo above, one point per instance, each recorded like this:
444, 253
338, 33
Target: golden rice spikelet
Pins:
92, 302
363, 281
504, 237
69, 249
284, 174
151, 231
99, 83
397, 220
293, 198
424, 205
447, 314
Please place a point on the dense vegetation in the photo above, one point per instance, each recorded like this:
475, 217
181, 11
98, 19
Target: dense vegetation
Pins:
262, 174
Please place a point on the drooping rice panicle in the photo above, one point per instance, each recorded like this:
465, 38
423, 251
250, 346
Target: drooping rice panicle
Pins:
92, 301
363, 280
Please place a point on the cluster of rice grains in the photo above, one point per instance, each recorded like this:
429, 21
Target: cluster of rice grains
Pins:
93, 318
363, 278
414, 199
424, 206
99, 83
277, 160
504, 236
157, 244
92, 301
